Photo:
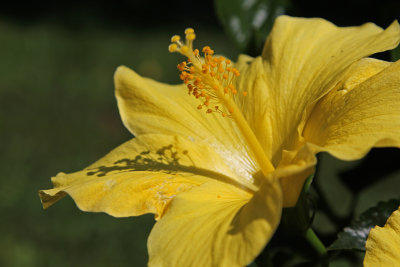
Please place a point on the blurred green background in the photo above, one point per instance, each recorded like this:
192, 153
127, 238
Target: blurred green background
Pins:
58, 113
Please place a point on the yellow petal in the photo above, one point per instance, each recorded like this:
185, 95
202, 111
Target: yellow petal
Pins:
348, 122
147, 106
256, 105
360, 71
141, 176
302, 60
383, 243
215, 225
292, 171
293, 166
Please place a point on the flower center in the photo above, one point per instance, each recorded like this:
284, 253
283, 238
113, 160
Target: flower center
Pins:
211, 80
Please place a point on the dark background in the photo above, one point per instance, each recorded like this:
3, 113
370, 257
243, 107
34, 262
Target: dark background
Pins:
58, 113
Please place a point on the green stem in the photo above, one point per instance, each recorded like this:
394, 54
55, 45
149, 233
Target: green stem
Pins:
319, 247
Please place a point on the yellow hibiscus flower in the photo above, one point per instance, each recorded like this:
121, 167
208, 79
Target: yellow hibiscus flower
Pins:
217, 165
383, 243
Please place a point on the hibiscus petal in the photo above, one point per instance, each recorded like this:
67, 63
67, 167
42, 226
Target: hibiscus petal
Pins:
295, 167
147, 106
360, 71
302, 60
141, 176
383, 243
348, 123
215, 225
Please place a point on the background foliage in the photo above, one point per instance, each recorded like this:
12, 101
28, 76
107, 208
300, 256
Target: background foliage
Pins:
58, 113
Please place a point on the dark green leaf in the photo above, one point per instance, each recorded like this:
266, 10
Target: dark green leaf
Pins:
355, 235
248, 22
298, 218
395, 53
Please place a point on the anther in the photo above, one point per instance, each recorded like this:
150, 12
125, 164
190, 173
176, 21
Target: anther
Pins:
210, 80
181, 66
205, 49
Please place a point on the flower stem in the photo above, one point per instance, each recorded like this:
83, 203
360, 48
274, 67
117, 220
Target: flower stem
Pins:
318, 246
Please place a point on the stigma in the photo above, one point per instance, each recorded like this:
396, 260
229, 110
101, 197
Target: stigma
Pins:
209, 78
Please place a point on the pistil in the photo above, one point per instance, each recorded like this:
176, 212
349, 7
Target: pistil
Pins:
212, 80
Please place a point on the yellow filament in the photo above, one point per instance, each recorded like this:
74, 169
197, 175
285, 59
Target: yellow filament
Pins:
211, 80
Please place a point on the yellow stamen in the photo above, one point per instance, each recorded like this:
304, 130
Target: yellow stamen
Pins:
212, 81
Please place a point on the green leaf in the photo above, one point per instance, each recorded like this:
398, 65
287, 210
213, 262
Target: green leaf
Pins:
297, 218
395, 53
248, 22
355, 235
